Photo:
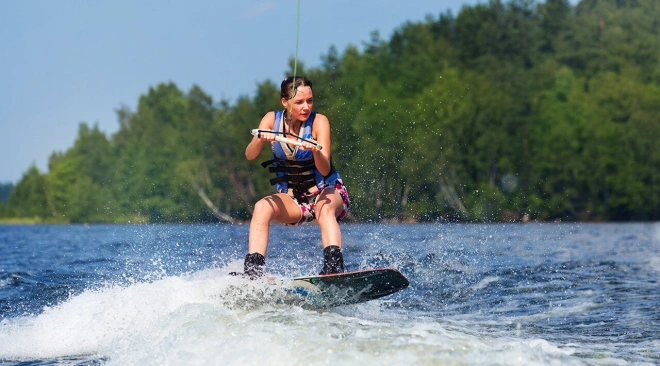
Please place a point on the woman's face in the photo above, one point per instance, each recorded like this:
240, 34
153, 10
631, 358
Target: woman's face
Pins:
300, 106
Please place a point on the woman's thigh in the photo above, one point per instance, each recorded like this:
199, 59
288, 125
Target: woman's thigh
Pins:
279, 207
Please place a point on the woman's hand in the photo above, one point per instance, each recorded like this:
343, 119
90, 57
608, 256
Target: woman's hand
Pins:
266, 135
254, 147
309, 146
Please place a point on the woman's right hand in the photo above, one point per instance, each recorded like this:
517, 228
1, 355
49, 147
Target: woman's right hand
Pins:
254, 147
266, 136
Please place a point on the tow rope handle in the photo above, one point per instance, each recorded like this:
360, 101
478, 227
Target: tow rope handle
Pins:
286, 140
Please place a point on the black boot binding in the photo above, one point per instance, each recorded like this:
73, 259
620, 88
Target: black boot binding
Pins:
333, 260
253, 267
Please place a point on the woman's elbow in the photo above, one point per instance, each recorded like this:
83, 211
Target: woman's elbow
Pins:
324, 170
249, 154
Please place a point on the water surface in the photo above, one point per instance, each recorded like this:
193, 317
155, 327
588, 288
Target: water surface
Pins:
480, 294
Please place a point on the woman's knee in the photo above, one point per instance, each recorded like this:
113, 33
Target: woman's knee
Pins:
331, 206
263, 208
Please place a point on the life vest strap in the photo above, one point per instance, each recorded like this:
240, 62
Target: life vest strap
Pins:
295, 179
290, 170
298, 175
290, 163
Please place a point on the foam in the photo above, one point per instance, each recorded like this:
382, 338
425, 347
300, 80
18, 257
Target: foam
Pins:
95, 320
208, 317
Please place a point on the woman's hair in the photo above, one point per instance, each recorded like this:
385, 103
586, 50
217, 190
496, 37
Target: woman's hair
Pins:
289, 86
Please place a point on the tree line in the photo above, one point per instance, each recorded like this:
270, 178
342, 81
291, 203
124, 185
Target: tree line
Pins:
507, 111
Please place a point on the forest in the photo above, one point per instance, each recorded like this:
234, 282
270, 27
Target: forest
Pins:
507, 111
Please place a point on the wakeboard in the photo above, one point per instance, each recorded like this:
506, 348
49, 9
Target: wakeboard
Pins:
349, 287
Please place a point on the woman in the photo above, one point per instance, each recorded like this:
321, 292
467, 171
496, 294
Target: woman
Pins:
307, 184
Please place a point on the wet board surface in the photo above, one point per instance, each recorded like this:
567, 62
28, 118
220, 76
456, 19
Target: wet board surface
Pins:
350, 287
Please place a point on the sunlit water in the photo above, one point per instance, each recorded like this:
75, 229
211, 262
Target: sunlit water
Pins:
515, 294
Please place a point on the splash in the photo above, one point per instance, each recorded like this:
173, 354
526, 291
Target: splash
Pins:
100, 321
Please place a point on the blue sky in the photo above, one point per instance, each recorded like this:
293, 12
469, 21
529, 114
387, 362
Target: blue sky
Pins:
71, 61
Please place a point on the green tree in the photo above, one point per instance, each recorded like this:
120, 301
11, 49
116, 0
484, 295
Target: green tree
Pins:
28, 199
5, 191
509, 108
80, 180
558, 139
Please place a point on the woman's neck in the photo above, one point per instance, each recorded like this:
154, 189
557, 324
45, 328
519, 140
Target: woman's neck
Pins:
293, 125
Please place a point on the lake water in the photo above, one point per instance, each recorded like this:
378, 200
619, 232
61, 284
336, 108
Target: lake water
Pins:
480, 294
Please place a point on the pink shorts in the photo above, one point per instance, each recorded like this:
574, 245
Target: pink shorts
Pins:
308, 210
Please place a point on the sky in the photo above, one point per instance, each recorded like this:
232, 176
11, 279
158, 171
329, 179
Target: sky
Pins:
71, 61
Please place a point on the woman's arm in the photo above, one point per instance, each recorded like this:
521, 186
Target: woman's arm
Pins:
321, 133
254, 147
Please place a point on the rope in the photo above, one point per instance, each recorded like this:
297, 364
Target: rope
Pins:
295, 60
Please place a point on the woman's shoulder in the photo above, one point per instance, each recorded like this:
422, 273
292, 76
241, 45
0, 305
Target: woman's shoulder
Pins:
320, 117
268, 120
321, 124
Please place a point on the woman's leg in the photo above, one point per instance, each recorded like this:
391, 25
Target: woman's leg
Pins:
277, 207
329, 207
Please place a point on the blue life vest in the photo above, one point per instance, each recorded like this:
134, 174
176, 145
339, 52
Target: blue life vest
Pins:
295, 169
